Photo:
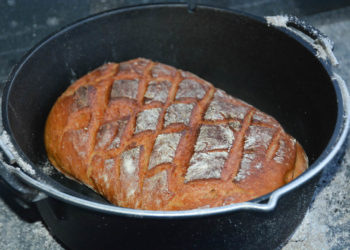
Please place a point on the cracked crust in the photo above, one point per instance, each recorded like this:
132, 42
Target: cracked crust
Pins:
149, 136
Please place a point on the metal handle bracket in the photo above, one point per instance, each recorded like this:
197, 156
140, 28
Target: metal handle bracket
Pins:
319, 41
11, 171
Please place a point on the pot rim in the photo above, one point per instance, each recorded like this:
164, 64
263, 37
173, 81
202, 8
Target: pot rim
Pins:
329, 153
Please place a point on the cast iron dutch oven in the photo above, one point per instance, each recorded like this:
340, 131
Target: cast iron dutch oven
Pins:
279, 64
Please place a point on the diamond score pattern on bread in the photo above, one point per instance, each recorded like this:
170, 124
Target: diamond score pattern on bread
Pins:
148, 136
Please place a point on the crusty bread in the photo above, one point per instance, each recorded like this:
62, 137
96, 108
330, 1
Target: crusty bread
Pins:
146, 135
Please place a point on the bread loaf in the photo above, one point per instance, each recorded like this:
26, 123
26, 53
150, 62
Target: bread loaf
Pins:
148, 136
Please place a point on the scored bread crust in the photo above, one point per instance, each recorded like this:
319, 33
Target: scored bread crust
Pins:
148, 136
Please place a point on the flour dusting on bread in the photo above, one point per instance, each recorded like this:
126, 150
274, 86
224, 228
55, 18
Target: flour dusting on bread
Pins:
149, 136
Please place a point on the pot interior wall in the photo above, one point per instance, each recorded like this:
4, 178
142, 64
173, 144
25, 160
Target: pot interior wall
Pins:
256, 63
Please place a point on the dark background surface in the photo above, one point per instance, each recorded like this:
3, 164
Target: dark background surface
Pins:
24, 23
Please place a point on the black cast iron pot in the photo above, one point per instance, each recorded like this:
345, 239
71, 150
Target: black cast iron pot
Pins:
279, 64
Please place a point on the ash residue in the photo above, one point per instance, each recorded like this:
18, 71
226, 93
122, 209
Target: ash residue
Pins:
47, 168
5, 138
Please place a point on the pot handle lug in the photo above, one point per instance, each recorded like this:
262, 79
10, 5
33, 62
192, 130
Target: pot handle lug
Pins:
319, 41
10, 175
307, 29
20, 189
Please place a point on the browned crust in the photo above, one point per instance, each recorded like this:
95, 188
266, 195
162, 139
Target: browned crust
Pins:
73, 131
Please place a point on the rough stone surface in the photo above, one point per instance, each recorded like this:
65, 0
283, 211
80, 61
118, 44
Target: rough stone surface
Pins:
19, 234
